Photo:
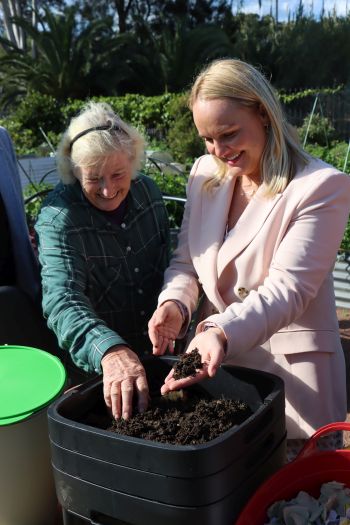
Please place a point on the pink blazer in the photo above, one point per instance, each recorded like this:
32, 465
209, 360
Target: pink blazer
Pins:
281, 254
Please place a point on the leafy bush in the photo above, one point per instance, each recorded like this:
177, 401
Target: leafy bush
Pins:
175, 186
35, 111
164, 119
182, 137
167, 122
319, 130
335, 154
33, 199
345, 244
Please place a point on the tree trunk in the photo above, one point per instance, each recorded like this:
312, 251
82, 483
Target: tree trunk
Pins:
34, 23
13, 33
123, 8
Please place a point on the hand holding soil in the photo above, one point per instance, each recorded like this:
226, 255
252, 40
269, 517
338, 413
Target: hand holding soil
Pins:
187, 371
209, 347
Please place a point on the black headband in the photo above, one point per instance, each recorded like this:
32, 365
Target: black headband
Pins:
96, 128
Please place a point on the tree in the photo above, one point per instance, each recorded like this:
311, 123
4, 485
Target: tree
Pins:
123, 8
14, 33
325, 63
168, 62
73, 59
21, 9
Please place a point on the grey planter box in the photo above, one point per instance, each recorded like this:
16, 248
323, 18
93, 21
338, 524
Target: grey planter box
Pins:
341, 276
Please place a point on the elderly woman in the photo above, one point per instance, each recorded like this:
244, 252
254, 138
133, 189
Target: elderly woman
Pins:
261, 229
103, 243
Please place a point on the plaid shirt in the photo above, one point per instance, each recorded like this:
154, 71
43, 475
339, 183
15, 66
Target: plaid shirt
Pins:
100, 280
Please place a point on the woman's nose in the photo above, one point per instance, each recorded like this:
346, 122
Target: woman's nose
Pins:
220, 150
106, 187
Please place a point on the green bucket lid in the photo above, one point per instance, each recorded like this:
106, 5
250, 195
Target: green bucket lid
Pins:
29, 380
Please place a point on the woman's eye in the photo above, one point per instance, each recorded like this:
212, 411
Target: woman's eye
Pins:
230, 135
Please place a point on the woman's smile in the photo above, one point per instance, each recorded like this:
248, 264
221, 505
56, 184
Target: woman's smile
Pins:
232, 161
105, 186
232, 132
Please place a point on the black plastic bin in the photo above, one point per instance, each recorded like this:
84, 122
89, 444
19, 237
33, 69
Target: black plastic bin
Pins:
107, 478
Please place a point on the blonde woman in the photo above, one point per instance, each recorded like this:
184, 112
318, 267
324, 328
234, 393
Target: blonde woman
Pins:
103, 246
261, 229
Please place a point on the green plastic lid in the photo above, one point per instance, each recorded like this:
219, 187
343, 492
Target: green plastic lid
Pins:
29, 380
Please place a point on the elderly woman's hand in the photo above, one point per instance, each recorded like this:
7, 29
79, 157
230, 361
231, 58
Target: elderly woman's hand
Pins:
211, 347
164, 327
123, 375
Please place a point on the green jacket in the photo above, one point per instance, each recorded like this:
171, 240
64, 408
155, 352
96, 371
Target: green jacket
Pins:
100, 280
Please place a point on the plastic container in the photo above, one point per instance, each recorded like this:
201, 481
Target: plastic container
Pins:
29, 380
102, 476
307, 472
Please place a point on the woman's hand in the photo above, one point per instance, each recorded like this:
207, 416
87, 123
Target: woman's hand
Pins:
164, 327
123, 374
211, 346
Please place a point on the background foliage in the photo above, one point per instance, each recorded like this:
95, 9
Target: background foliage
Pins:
141, 57
86, 48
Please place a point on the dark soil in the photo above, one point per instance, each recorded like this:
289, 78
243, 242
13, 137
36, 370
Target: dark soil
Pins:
187, 420
182, 417
188, 364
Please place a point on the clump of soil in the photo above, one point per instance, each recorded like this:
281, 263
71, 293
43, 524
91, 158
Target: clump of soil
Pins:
188, 364
189, 420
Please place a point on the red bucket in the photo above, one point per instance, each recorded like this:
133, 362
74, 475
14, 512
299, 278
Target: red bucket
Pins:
307, 472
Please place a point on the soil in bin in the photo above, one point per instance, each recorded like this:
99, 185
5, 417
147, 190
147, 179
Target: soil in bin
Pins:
184, 417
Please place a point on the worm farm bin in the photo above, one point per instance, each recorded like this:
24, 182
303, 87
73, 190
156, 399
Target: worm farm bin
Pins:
103, 477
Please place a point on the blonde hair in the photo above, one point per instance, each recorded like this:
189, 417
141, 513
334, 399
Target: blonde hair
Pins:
241, 82
85, 144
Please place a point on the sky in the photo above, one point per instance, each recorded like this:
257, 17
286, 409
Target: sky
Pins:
342, 7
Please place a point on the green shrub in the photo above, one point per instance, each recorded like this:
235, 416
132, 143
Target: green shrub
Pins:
345, 244
175, 186
319, 130
33, 199
139, 110
35, 111
182, 138
335, 154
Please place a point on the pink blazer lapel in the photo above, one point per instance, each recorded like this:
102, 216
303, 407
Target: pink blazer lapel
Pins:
247, 227
206, 235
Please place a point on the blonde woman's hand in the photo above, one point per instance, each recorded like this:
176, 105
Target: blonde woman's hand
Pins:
164, 327
211, 347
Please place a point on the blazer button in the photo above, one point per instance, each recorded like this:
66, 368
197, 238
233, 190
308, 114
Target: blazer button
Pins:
243, 292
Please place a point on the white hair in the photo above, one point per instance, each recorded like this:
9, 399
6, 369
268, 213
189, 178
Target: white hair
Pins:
85, 144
